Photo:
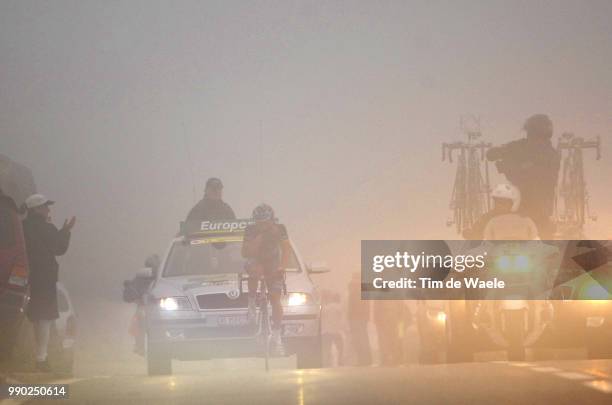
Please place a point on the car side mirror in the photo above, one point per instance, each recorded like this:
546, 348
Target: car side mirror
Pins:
145, 273
318, 268
152, 262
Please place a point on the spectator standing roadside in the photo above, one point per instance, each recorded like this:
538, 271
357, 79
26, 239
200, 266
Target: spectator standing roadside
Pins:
43, 243
391, 319
332, 328
359, 317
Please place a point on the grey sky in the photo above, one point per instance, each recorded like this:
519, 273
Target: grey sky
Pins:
333, 112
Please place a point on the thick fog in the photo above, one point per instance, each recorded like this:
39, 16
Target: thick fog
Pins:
332, 112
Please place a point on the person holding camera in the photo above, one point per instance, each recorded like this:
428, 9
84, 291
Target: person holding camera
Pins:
532, 165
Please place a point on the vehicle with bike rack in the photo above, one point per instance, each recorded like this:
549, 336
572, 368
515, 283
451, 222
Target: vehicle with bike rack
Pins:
446, 328
197, 306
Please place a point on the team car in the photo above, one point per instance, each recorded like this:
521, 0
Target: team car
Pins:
14, 292
196, 307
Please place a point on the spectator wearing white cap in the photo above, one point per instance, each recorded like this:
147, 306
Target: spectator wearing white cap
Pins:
43, 242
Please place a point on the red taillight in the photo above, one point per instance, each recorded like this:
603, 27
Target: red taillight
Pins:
71, 326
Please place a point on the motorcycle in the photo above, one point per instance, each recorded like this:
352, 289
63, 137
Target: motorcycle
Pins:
517, 316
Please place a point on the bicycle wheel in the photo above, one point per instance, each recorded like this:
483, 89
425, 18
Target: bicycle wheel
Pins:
458, 200
265, 330
266, 343
580, 189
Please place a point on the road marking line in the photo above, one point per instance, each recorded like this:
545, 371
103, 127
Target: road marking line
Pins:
546, 369
67, 381
600, 385
597, 373
521, 364
14, 401
571, 375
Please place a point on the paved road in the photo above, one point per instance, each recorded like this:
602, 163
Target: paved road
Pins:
557, 382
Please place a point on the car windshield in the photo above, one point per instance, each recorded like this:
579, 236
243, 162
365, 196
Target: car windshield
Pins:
207, 256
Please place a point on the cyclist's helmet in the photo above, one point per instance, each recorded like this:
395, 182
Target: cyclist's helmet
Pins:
263, 212
508, 192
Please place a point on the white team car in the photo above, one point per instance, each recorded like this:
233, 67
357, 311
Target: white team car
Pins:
196, 307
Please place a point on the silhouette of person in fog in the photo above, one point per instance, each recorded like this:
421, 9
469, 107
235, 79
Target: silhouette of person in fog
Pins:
359, 317
532, 165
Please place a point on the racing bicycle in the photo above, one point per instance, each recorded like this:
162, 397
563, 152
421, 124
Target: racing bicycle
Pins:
263, 326
471, 190
572, 202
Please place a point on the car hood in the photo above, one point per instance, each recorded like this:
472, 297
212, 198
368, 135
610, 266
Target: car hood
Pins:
219, 283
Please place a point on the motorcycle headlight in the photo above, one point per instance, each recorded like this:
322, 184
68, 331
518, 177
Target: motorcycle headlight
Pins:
504, 263
295, 299
175, 304
519, 264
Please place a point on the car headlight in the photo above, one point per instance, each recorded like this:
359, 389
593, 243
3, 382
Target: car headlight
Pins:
175, 304
295, 299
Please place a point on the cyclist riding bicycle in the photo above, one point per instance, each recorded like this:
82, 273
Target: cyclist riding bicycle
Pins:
266, 246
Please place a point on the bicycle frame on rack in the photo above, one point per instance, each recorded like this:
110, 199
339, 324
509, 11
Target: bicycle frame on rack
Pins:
572, 200
470, 197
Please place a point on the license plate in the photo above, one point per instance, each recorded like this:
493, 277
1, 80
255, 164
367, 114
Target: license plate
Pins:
232, 320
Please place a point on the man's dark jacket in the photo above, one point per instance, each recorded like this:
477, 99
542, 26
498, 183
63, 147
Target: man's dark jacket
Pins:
43, 242
534, 168
209, 209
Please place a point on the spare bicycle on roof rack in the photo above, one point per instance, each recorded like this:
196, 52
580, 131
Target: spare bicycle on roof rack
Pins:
470, 198
572, 209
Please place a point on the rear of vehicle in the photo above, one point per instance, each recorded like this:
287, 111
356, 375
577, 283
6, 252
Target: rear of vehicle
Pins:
197, 307
13, 276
